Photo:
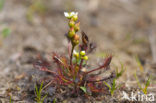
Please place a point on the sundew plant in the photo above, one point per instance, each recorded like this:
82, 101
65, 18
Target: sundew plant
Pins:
72, 71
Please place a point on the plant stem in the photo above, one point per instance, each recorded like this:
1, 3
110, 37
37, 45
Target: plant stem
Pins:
95, 69
81, 64
47, 84
71, 56
69, 49
106, 63
80, 68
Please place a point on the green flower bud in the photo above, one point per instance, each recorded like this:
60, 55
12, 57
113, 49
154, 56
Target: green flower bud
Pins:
85, 57
75, 42
77, 27
75, 39
71, 23
71, 33
82, 53
75, 17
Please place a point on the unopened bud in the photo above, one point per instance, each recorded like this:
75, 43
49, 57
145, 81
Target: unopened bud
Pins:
75, 42
71, 23
85, 58
76, 37
82, 53
77, 26
75, 17
71, 33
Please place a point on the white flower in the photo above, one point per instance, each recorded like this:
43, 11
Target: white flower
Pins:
70, 14
76, 54
74, 13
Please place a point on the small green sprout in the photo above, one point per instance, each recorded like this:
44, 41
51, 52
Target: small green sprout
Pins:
113, 88
139, 64
38, 93
144, 89
119, 74
83, 89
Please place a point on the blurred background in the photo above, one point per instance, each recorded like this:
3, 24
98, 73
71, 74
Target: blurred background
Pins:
124, 28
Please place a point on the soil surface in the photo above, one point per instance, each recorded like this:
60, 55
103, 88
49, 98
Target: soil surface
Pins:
119, 27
